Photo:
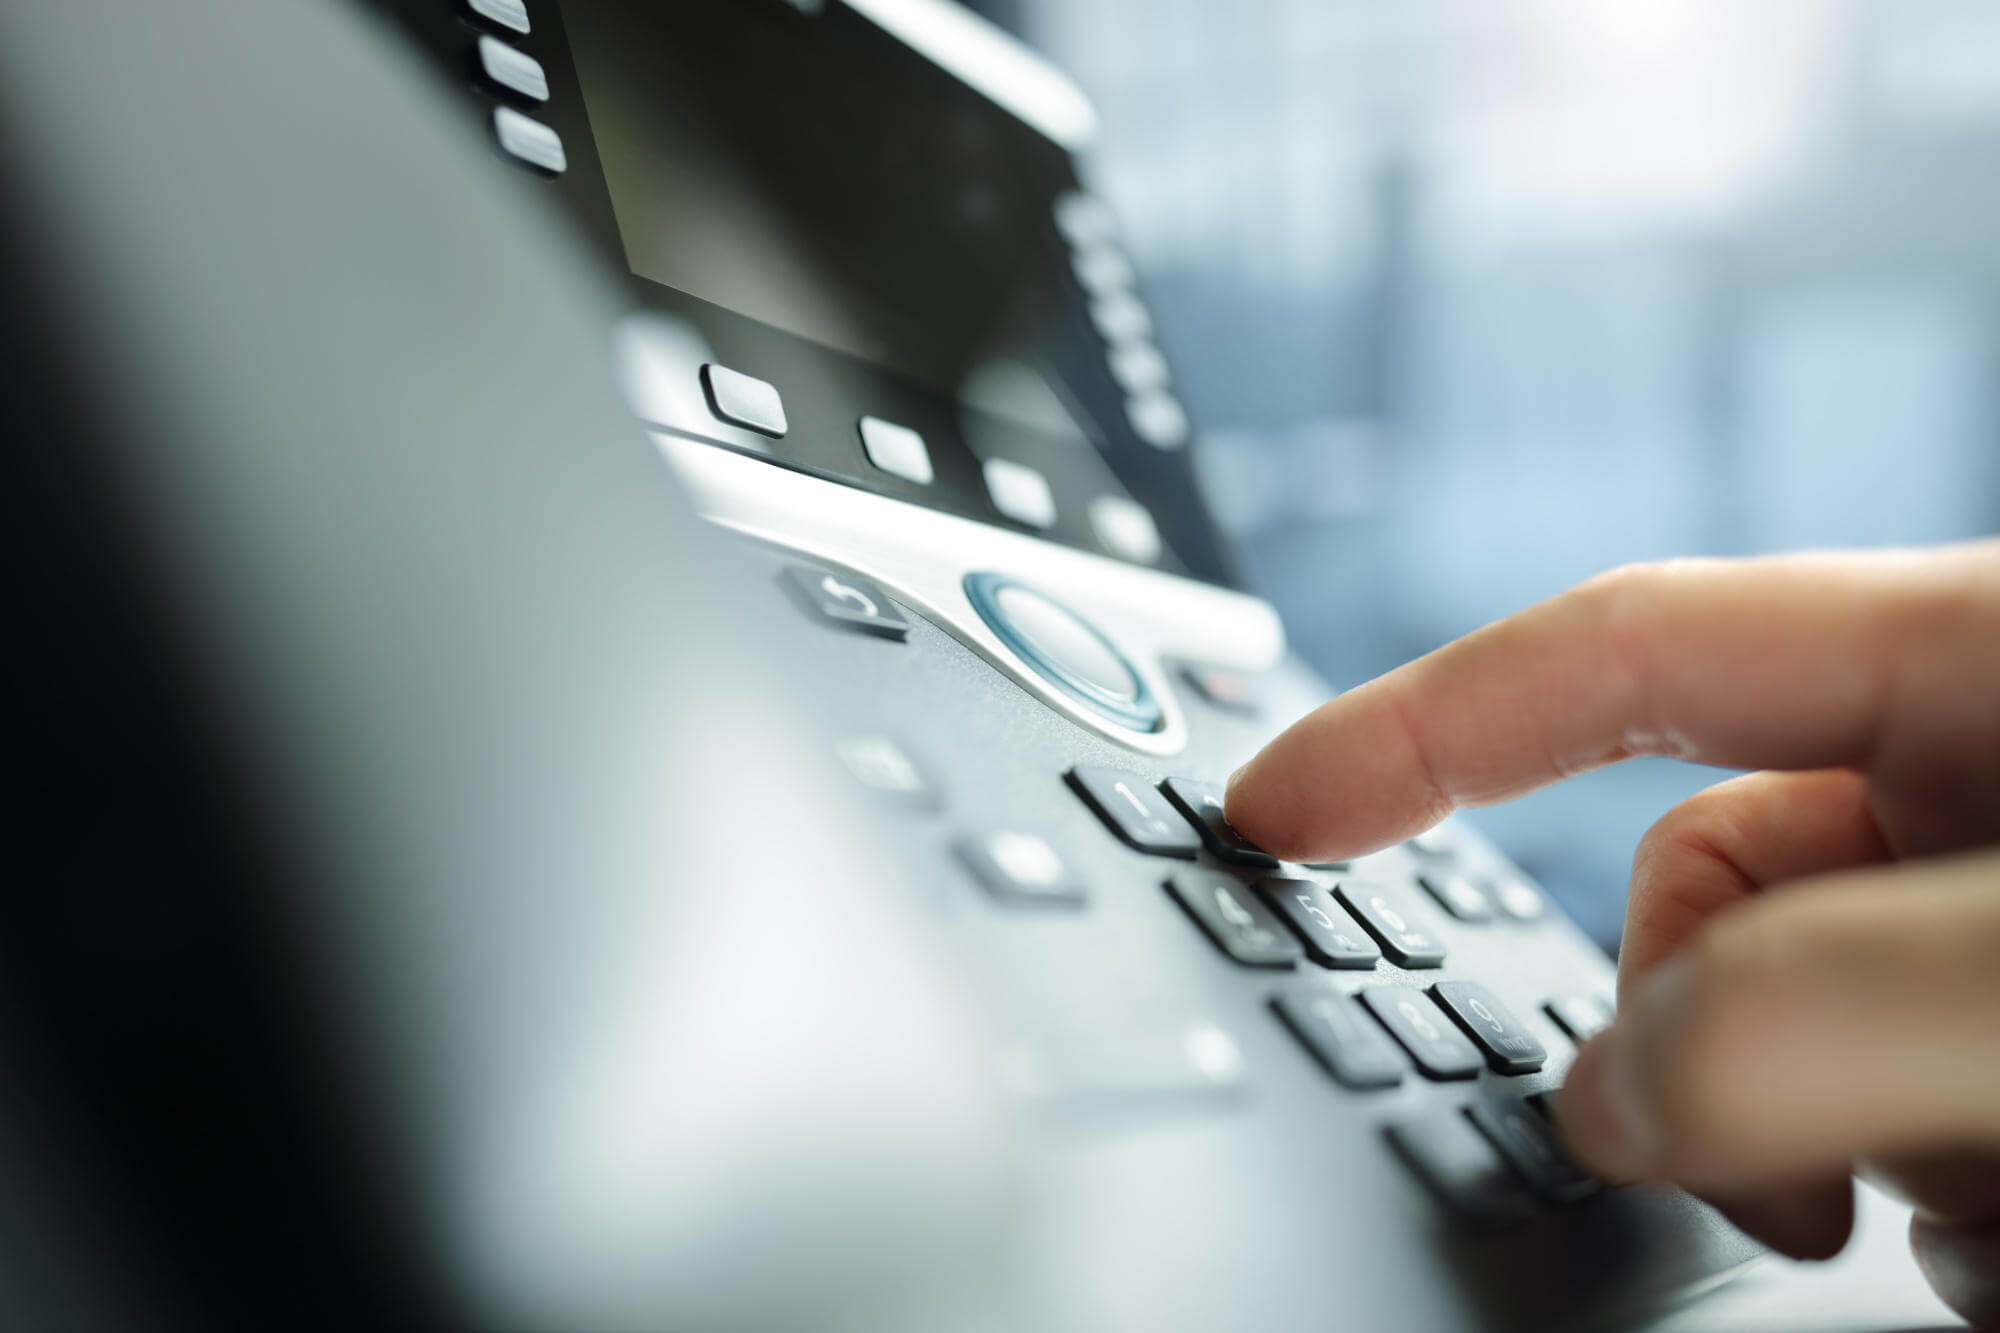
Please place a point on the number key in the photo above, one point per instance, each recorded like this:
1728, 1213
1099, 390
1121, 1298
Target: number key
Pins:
1439, 1049
1352, 1049
1392, 919
1331, 937
1201, 802
1130, 808
1230, 915
1510, 1048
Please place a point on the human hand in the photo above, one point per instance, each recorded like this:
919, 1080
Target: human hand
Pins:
1810, 978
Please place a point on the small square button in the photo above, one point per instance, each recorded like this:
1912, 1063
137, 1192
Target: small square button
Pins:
1125, 529
1084, 219
1457, 895
744, 400
1102, 268
1137, 366
847, 600
1020, 868
897, 450
529, 141
1121, 316
1520, 900
513, 71
1157, 418
884, 767
509, 14
1020, 492
1134, 811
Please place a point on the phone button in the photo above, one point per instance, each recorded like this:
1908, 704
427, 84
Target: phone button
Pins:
1230, 914
1439, 1049
509, 14
1020, 868
897, 450
512, 71
1510, 1048
529, 141
1201, 802
1353, 1050
1134, 811
1463, 1167
1064, 649
744, 400
1392, 919
847, 600
1332, 939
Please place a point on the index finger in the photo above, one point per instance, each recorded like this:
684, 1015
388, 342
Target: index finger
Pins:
1814, 661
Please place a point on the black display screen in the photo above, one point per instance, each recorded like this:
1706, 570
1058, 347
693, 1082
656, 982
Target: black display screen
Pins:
848, 220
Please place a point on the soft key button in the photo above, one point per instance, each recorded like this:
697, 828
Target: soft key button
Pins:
1064, 649
529, 141
1125, 529
897, 450
744, 400
1020, 493
846, 600
509, 14
1020, 868
512, 71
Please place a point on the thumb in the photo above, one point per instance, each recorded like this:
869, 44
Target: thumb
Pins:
1841, 1017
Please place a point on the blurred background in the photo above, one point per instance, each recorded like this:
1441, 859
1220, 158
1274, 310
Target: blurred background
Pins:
1474, 298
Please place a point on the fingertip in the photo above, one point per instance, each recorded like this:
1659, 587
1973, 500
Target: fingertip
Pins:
1315, 793
1962, 1264
1601, 1115
1809, 1220
1264, 811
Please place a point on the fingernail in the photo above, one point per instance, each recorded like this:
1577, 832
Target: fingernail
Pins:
1229, 787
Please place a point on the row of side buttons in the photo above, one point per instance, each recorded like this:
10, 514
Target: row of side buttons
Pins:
514, 74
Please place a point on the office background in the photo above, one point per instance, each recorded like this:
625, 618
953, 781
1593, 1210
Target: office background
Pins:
1474, 298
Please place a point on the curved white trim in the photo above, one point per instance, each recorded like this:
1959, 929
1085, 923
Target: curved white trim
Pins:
992, 62
923, 556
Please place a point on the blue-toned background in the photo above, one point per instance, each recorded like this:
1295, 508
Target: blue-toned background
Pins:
1473, 298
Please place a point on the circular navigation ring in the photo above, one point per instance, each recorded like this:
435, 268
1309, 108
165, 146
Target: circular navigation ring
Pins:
1065, 650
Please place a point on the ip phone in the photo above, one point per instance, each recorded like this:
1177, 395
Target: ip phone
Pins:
632, 685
